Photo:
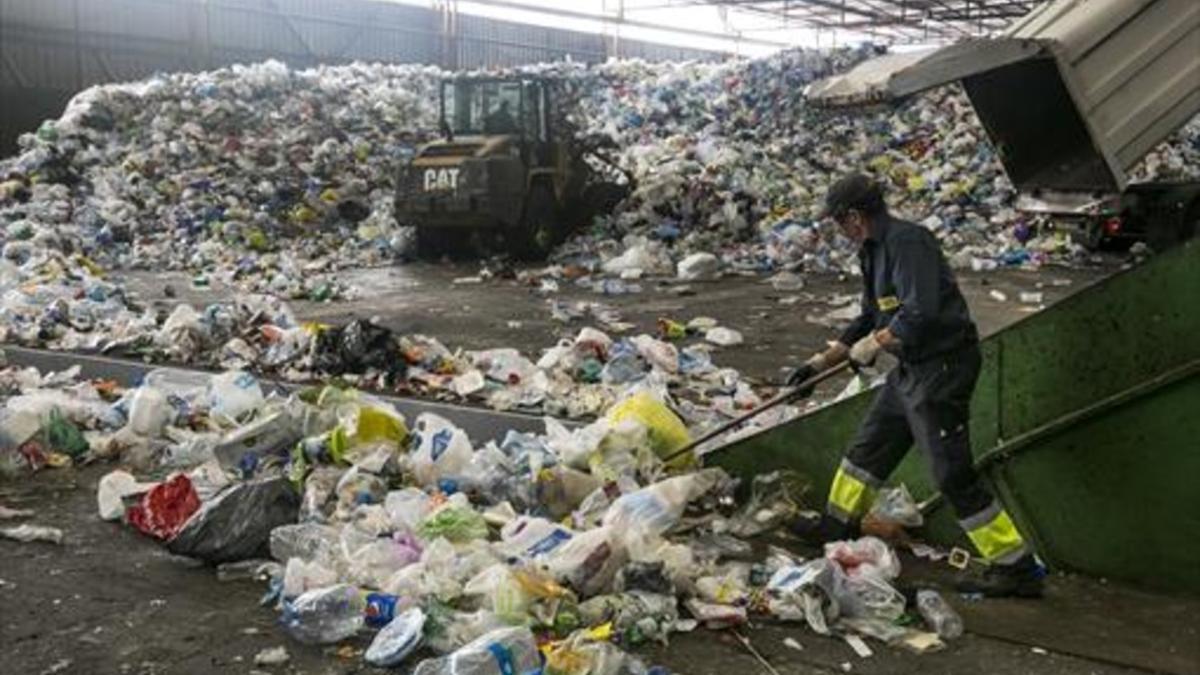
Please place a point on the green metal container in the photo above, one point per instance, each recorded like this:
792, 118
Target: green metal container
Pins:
1086, 421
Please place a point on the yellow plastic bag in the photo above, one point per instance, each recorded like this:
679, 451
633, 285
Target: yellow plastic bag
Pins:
577, 655
666, 431
367, 427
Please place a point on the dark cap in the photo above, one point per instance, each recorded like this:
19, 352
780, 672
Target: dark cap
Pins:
855, 192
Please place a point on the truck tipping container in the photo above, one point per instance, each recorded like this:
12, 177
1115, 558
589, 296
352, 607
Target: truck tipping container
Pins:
1073, 95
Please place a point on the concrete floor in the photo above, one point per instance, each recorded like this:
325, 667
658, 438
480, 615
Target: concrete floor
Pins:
111, 601
422, 298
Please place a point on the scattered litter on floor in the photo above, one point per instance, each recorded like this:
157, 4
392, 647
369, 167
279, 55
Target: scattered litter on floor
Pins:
12, 514
30, 533
576, 544
273, 656
859, 646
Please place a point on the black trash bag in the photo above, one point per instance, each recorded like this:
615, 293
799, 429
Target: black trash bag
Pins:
368, 345
357, 347
649, 577
353, 211
327, 351
236, 524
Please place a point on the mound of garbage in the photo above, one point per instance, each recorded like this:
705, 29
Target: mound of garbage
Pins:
64, 302
272, 178
259, 174
729, 160
559, 550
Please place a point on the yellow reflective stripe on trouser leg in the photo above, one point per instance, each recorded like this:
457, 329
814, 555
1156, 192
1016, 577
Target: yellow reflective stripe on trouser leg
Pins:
994, 534
851, 492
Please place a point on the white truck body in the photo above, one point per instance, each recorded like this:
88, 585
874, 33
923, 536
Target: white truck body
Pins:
1072, 95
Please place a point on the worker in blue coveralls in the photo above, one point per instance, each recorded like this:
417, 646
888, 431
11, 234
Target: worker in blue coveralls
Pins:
912, 308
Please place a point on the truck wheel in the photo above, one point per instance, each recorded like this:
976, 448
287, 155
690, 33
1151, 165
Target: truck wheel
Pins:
536, 234
1091, 234
433, 243
598, 199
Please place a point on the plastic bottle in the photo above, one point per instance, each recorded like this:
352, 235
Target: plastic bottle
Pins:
149, 411
325, 615
940, 616
379, 609
503, 651
186, 384
622, 369
399, 638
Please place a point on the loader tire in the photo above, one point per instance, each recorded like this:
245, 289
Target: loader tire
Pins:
537, 232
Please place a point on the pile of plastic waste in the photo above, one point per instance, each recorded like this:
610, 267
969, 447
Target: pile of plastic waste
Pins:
729, 160
272, 179
561, 550
266, 177
53, 299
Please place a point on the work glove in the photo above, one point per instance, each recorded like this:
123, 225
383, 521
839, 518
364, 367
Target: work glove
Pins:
800, 375
864, 351
814, 366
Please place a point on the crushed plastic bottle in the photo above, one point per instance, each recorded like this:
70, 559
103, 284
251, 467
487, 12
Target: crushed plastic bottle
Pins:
398, 639
324, 615
505, 651
311, 542
939, 615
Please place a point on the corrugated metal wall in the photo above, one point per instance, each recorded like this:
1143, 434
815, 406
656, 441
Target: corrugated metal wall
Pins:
50, 49
487, 43
651, 51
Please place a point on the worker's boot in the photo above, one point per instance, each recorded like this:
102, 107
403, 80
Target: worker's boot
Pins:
1022, 579
819, 530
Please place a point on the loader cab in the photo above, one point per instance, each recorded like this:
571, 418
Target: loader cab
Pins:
498, 178
492, 107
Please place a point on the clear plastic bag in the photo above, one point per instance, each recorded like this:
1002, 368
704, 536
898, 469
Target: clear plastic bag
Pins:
300, 576
407, 508
233, 394
897, 505
655, 509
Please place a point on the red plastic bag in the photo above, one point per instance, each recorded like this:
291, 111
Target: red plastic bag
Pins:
165, 508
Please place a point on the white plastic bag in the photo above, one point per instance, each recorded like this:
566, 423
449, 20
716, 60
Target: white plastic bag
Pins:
407, 508
588, 562
233, 394
655, 509
149, 412
443, 450
699, 266
724, 337
532, 538
113, 488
